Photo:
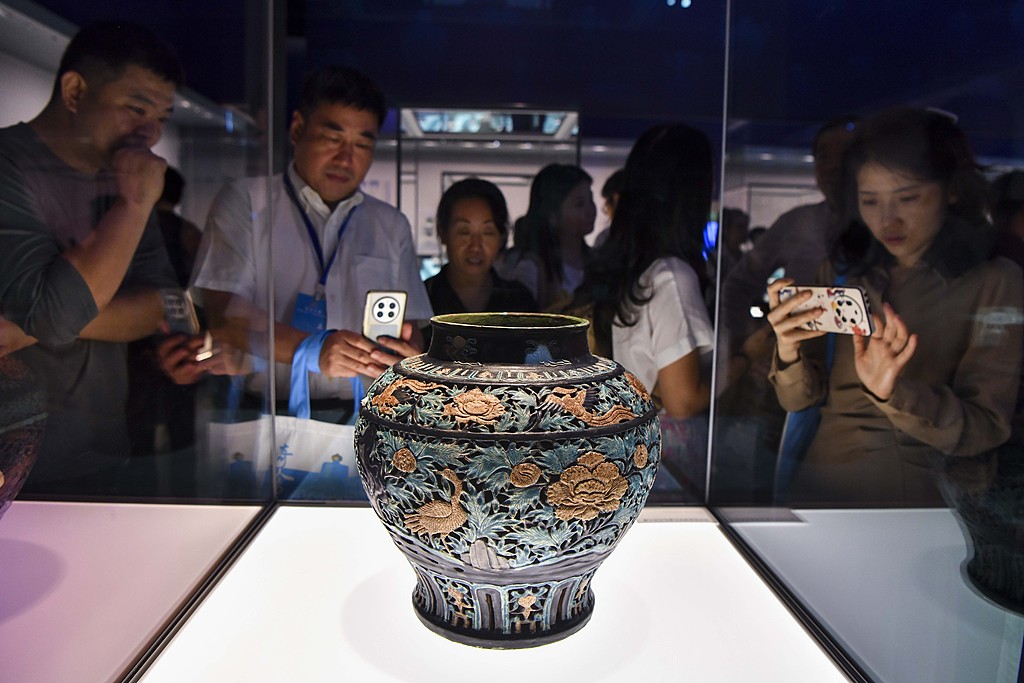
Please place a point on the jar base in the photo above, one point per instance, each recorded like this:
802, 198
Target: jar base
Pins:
498, 609
492, 640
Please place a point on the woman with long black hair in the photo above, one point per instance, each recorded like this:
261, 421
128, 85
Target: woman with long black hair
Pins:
646, 284
550, 252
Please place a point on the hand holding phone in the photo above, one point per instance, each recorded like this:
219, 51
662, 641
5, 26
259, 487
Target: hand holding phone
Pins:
845, 308
180, 312
383, 314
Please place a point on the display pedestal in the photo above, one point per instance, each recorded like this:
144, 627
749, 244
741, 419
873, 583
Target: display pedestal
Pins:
322, 594
84, 587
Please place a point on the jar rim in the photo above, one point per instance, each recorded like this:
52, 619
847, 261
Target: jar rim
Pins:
512, 320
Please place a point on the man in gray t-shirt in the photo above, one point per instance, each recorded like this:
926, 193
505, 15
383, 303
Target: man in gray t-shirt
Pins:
81, 257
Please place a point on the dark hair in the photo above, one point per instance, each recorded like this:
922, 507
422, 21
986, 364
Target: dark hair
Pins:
930, 146
473, 188
341, 85
663, 211
101, 52
733, 227
534, 233
613, 185
846, 123
174, 184
731, 215
1007, 197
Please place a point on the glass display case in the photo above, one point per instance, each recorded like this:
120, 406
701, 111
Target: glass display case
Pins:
913, 587
218, 529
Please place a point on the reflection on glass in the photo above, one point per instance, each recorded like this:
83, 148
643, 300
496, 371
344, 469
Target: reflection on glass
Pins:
473, 226
161, 412
22, 424
855, 569
83, 261
645, 290
515, 123
924, 386
105, 187
550, 249
991, 514
794, 246
436, 155
333, 245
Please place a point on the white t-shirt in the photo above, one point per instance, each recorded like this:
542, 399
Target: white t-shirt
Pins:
669, 326
376, 252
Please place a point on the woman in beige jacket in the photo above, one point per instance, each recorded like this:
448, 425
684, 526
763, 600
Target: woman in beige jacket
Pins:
935, 386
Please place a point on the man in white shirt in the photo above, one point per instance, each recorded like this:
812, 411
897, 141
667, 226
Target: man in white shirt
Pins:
328, 242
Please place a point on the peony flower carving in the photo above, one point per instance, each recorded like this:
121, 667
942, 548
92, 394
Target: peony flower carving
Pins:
641, 456
524, 474
590, 486
474, 406
404, 460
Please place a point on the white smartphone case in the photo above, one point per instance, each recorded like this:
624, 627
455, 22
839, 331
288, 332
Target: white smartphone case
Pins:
383, 314
846, 309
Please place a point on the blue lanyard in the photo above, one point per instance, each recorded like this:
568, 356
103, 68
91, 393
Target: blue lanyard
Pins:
324, 269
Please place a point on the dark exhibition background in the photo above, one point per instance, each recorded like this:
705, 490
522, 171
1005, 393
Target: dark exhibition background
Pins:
625, 64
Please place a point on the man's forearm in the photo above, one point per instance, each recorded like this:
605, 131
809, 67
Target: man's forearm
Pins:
286, 340
243, 325
129, 316
102, 258
13, 338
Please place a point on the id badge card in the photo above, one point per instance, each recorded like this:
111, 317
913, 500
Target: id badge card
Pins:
310, 314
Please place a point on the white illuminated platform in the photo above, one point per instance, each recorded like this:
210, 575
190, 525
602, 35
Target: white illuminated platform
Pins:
322, 594
84, 587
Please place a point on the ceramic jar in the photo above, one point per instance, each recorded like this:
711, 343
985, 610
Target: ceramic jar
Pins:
991, 514
22, 419
506, 463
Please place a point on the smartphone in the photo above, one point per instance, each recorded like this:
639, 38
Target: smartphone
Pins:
207, 350
846, 309
180, 312
383, 314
